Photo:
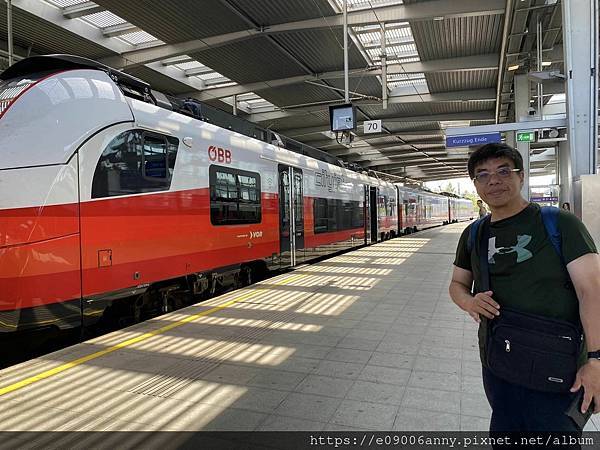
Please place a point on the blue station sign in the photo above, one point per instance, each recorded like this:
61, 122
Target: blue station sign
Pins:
473, 139
544, 199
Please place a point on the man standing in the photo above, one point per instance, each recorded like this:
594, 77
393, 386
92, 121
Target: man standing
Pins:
482, 210
526, 274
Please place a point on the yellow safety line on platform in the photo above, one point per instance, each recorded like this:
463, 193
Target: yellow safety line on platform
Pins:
49, 373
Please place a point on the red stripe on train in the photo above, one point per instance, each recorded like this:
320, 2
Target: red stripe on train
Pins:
127, 241
22, 225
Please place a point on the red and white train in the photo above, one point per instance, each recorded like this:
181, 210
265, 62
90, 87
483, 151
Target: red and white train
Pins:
109, 190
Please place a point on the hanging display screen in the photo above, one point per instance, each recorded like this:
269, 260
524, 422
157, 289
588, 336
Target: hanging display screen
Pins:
342, 118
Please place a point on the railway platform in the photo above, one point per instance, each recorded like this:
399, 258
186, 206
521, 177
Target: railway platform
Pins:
368, 340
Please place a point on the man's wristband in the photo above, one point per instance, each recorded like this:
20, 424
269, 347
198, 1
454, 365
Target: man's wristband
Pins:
594, 355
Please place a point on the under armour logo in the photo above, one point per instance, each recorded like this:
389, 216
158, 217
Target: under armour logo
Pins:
522, 253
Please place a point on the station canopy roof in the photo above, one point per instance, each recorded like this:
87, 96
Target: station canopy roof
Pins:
282, 63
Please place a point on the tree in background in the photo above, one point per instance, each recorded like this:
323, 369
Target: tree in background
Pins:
473, 197
450, 188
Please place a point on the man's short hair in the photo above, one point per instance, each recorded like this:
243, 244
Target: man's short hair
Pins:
489, 151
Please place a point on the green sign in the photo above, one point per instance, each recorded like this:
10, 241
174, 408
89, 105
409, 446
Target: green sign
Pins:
526, 136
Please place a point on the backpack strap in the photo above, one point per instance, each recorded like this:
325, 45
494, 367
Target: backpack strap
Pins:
550, 219
484, 267
474, 233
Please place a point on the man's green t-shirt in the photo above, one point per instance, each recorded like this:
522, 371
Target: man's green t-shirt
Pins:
526, 273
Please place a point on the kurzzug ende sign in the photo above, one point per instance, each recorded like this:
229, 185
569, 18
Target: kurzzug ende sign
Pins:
472, 140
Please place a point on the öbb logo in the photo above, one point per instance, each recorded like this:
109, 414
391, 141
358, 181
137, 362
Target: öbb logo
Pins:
219, 154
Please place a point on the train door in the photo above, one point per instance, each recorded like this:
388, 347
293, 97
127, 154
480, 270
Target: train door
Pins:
291, 216
400, 209
373, 213
367, 215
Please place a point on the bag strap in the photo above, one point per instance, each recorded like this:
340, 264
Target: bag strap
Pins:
473, 233
483, 253
550, 219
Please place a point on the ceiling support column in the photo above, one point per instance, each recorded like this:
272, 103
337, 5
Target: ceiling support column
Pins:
346, 82
580, 34
522, 97
10, 31
564, 178
384, 88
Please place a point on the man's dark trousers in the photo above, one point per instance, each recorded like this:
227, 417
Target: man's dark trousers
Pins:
515, 408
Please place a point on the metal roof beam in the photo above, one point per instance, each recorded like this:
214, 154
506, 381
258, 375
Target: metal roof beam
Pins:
462, 64
389, 42
389, 159
297, 132
120, 29
198, 71
177, 60
442, 97
467, 63
418, 161
136, 58
475, 115
176, 74
391, 146
528, 125
399, 165
214, 81
394, 13
388, 27
81, 9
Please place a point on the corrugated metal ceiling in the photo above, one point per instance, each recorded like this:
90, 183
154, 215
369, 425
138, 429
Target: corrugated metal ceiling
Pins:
177, 21
318, 50
248, 61
396, 127
331, 49
424, 109
365, 85
302, 120
45, 37
299, 94
397, 110
271, 12
453, 37
458, 81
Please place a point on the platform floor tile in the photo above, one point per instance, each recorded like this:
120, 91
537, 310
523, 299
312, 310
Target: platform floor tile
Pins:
368, 340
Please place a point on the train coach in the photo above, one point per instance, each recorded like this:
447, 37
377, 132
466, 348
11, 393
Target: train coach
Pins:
419, 209
110, 190
116, 198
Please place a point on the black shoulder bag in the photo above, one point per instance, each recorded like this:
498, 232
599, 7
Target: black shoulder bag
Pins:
525, 349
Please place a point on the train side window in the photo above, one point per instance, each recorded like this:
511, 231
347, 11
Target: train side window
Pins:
154, 155
235, 196
135, 162
336, 215
320, 215
332, 214
358, 215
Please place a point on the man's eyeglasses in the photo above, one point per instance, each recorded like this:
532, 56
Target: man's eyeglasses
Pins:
503, 172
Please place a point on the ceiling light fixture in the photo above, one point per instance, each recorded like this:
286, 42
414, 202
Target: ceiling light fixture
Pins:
546, 63
513, 67
438, 18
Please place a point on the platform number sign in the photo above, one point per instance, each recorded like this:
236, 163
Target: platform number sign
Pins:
372, 126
